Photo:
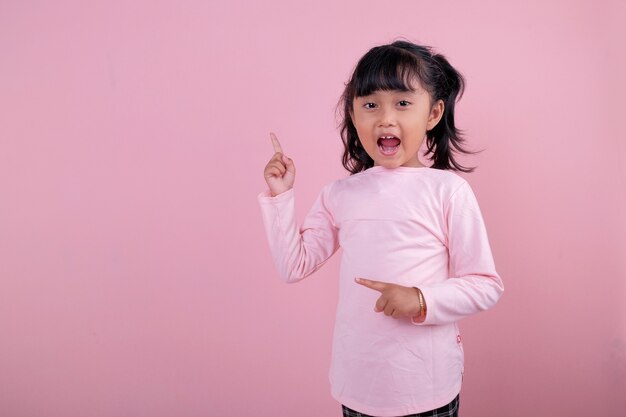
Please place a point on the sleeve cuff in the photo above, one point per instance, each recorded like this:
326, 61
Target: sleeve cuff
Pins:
265, 197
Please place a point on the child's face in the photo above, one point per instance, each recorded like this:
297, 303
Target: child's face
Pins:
392, 124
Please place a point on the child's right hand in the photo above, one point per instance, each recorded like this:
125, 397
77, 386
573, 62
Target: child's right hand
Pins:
280, 172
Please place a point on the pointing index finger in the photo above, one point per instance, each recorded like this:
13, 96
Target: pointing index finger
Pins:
374, 285
276, 143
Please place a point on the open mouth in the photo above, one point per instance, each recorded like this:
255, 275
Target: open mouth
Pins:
388, 145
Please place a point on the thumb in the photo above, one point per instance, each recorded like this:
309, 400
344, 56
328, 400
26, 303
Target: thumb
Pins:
374, 285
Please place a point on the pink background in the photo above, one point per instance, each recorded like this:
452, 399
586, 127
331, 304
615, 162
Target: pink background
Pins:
135, 279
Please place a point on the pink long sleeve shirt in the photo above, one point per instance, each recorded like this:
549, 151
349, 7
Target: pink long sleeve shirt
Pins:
417, 227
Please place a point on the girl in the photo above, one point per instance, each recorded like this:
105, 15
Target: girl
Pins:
416, 258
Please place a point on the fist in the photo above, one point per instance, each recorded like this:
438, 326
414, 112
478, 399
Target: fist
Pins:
280, 172
395, 300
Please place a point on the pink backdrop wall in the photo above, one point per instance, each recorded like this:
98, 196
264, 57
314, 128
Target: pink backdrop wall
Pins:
135, 279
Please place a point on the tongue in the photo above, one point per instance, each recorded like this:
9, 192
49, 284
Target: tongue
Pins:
389, 143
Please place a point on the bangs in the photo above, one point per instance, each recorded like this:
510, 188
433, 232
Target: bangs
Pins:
386, 69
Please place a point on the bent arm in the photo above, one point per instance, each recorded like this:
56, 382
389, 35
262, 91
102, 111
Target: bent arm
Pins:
476, 285
297, 253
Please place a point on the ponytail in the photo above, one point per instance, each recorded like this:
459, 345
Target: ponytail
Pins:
445, 138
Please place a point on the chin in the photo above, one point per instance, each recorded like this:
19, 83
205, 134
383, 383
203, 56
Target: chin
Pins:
390, 164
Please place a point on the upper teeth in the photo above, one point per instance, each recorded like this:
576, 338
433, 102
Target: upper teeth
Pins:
387, 137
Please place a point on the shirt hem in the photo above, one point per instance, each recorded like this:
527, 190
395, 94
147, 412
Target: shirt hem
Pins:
399, 411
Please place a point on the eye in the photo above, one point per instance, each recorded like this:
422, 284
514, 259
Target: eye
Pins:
369, 105
404, 103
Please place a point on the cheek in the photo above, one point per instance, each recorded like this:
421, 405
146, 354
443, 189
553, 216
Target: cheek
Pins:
367, 144
367, 141
357, 122
360, 130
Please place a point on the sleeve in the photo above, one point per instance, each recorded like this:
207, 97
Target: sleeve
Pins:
297, 253
475, 286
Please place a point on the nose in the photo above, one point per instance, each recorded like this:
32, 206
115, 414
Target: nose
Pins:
387, 118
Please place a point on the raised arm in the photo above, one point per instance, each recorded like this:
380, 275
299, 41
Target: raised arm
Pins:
297, 252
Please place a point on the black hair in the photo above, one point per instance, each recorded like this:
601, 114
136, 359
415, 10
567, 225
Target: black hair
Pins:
395, 67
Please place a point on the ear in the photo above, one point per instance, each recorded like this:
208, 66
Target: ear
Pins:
436, 113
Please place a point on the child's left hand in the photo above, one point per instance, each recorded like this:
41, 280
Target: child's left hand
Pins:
395, 300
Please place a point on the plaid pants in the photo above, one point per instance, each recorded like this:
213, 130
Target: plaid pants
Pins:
449, 410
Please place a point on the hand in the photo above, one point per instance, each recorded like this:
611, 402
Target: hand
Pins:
280, 172
395, 300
